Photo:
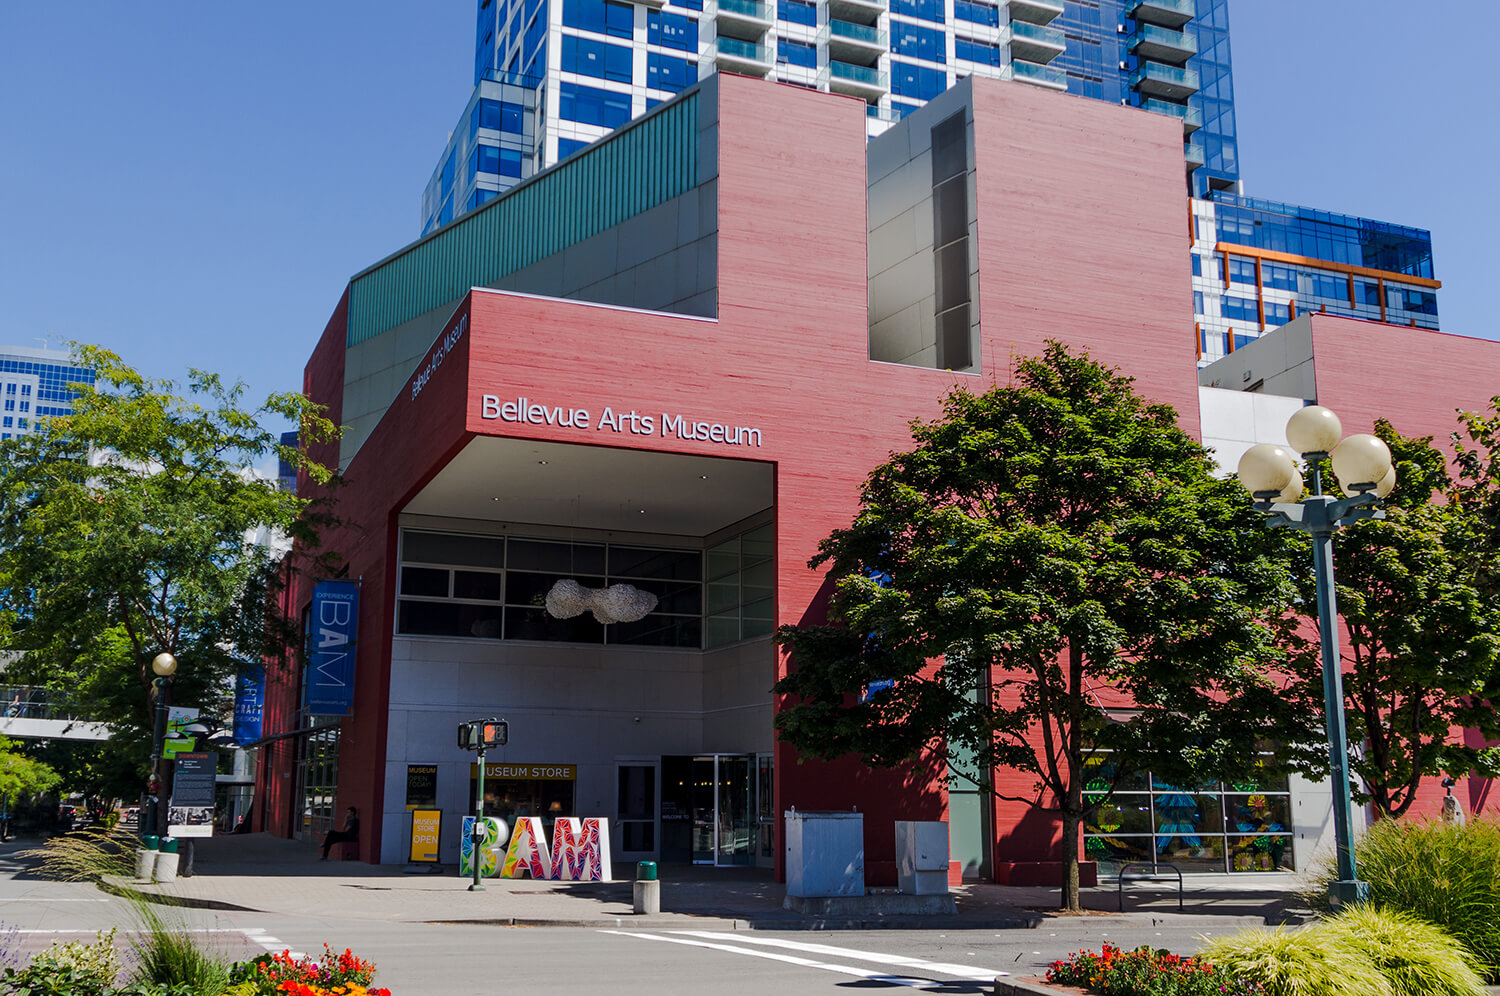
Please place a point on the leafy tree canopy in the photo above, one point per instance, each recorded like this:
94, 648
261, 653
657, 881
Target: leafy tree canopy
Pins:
1421, 647
21, 776
135, 525
1054, 581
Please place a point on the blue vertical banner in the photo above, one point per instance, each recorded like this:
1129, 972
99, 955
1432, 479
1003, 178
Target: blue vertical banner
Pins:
331, 630
249, 705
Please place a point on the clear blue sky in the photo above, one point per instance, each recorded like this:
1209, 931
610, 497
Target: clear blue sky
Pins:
192, 184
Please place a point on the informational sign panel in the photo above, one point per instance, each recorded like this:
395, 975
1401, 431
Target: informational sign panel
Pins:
249, 704
421, 785
426, 830
176, 742
332, 626
190, 813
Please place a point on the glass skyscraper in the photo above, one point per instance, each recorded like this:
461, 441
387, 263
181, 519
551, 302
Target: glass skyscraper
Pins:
551, 76
36, 383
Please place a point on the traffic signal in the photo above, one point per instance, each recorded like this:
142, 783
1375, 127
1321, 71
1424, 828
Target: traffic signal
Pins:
483, 734
494, 733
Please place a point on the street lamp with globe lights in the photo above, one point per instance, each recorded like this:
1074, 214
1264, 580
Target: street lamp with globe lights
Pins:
165, 665
1362, 463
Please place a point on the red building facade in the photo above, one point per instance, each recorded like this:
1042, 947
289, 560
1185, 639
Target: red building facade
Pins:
1076, 231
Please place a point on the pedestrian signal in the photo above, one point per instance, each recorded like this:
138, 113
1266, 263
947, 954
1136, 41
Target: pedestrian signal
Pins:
483, 734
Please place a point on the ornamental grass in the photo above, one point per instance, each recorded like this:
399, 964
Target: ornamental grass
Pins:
1445, 874
1309, 961
1416, 958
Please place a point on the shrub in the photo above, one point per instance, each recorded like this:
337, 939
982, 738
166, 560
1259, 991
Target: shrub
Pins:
1444, 874
98, 963
1145, 972
1311, 961
1416, 958
50, 979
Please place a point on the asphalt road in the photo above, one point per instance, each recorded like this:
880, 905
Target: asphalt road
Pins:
460, 959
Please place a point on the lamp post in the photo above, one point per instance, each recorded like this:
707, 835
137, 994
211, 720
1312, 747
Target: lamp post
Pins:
165, 665
1362, 463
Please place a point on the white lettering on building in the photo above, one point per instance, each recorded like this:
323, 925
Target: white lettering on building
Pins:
525, 411
440, 351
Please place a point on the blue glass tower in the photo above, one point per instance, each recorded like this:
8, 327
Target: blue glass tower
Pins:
1168, 56
550, 76
577, 69
36, 383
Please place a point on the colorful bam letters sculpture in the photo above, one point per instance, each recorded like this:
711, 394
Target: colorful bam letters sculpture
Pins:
579, 852
489, 848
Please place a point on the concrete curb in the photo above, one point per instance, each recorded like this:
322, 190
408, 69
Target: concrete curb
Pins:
1016, 987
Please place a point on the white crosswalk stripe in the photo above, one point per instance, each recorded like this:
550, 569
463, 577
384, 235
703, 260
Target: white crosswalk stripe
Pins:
758, 945
256, 935
899, 961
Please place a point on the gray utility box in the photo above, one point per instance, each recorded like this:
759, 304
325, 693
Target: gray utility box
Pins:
922, 857
825, 854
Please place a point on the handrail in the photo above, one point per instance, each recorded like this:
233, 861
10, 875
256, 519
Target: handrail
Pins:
1153, 865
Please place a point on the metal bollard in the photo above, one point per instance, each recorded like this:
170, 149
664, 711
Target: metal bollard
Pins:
145, 864
647, 890
166, 861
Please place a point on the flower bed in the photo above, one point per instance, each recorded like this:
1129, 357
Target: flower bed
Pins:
1145, 972
331, 974
80, 968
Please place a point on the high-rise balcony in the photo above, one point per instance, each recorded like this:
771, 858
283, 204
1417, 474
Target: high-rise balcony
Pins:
1167, 13
1194, 155
859, 81
1039, 43
1027, 72
857, 11
1171, 82
1192, 117
748, 20
1163, 44
750, 58
862, 44
1036, 11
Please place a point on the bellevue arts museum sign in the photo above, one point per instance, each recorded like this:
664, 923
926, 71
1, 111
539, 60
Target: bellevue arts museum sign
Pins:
525, 411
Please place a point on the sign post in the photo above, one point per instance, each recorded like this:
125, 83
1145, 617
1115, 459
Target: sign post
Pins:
479, 736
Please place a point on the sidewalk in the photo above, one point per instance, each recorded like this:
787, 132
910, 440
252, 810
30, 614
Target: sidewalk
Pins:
268, 874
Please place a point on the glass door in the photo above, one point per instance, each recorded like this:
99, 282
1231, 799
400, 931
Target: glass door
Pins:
705, 815
709, 814
735, 817
636, 810
765, 811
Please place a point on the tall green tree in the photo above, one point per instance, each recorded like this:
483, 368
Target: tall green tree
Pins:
1053, 580
1420, 647
136, 525
1477, 493
21, 776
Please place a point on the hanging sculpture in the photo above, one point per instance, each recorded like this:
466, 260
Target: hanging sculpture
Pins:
617, 603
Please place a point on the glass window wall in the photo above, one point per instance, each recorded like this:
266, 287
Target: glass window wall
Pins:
1239, 827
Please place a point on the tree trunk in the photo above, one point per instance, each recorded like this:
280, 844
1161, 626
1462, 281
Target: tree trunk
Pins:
1071, 898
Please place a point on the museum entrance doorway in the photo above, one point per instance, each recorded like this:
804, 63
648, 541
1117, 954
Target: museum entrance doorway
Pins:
716, 809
